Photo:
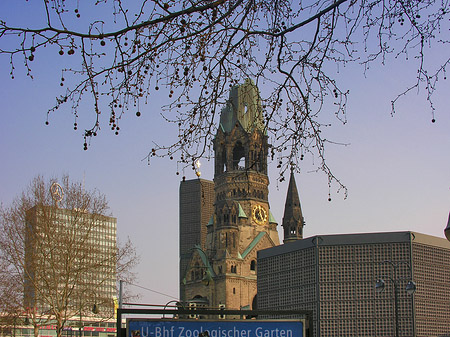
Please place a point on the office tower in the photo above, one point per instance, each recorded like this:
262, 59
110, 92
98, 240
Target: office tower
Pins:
70, 255
196, 210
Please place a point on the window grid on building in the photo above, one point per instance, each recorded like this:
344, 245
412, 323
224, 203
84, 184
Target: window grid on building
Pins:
344, 300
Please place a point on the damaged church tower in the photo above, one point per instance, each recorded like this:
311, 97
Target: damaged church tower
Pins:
220, 271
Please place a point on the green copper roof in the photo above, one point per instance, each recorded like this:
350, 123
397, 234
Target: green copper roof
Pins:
241, 212
243, 107
205, 260
211, 221
253, 244
271, 218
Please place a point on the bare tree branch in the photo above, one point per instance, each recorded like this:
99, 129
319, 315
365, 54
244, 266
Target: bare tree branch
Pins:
62, 255
194, 51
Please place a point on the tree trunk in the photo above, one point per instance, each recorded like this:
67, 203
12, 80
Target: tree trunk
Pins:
59, 327
36, 330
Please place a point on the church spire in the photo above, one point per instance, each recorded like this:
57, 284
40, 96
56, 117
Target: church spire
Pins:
293, 221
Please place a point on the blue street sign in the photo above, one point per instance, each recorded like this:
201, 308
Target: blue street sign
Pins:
198, 328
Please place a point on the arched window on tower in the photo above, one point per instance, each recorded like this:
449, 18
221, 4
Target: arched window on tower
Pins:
224, 160
253, 265
238, 156
293, 231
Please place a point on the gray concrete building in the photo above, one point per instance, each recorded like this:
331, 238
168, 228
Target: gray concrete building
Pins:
335, 276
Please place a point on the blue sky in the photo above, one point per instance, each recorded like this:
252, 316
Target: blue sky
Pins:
396, 168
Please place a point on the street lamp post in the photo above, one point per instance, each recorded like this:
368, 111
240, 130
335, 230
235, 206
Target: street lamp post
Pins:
177, 303
410, 289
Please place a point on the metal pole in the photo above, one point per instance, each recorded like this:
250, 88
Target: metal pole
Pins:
410, 289
119, 311
395, 282
119, 322
120, 293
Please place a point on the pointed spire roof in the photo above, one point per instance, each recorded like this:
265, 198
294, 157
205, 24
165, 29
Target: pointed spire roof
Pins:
293, 218
292, 207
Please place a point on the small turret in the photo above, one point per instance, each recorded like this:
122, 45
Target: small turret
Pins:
293, 221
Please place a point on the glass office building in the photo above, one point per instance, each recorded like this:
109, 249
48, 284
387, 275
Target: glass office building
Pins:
73, 252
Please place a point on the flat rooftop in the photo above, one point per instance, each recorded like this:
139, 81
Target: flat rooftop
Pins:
355, 239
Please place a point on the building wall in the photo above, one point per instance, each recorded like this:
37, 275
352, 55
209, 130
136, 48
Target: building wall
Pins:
335, 275
196, 209
432, 299
287, 280
235, 290
348, 302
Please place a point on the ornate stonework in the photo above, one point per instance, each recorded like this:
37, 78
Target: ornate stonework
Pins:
221, 271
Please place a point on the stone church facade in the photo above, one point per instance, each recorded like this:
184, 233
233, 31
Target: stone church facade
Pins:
218, 270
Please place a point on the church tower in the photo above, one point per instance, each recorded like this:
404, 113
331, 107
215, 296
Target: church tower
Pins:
223, 273
293, 221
